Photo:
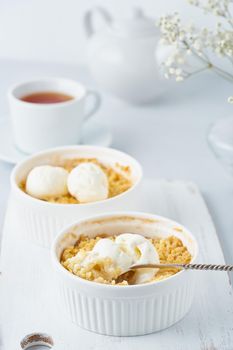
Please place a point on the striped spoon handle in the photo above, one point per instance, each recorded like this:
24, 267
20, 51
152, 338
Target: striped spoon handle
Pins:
210, 267
206, 267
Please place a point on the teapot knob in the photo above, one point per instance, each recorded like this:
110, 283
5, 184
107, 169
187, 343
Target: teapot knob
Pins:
89, 19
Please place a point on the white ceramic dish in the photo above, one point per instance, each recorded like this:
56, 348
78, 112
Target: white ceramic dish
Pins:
125, 310
93, 133
40, 220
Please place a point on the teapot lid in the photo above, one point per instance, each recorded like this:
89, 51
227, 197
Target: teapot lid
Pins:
138, 26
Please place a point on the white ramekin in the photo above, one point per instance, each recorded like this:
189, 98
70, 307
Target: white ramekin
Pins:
125, 310
39, 221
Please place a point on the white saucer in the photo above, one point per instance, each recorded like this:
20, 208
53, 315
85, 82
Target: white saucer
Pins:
93, 133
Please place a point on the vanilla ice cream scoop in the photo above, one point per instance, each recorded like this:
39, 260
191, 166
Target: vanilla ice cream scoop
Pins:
141, 251
107, 248
88, 183
126, 250
47, 181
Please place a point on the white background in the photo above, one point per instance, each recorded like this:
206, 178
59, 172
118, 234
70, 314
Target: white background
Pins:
168, 138
52, 30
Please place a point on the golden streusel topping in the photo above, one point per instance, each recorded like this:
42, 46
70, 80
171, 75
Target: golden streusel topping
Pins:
117, 182
170, 250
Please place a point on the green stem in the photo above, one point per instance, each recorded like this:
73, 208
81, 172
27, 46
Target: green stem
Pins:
222, 73
210, 65
199, 71
229, 17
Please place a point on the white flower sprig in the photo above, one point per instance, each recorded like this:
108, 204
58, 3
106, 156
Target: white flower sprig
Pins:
219, 8
191, 46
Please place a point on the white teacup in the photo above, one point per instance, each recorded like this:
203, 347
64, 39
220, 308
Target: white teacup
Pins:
37, 126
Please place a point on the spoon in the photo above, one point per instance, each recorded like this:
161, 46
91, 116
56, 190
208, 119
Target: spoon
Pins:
128, 275
34, 340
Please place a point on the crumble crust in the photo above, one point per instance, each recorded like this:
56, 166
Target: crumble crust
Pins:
170, 250
118, 179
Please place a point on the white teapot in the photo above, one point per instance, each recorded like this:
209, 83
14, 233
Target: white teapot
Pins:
121, 55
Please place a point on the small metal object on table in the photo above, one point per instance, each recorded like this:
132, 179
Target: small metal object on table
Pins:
36, 339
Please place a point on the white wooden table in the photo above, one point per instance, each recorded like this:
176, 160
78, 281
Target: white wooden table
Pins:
168, 138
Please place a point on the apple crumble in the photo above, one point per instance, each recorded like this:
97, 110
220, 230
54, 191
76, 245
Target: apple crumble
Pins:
97, 259
118, 180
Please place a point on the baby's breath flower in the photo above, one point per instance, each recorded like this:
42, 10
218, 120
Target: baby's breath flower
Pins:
179, 78
222, 43
216, 7
189, 41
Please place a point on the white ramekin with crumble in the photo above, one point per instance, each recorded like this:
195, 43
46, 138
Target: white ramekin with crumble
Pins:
89, 256
55, 187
